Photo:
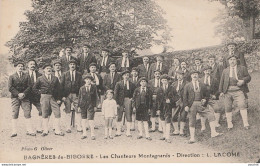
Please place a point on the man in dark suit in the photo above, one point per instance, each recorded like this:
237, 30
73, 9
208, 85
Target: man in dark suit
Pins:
35, 97
71, 82
186, 72
124, 63
195, 98
65, 59
142, 103
233, 87
198, 66
123, 95
111, 78
155, 84
159, 65
167, 96
85, 59
232, 50
49, 88
179, 112
20, 87
103, 63
87, 103
214, 103
175, 67
135, 76
144, 68
57, 69
215, 68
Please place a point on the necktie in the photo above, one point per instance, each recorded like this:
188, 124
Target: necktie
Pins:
103, 61
20, 74
207, 80
68, 58
88, 89
112, 78
72, 76
49, 78
143, 90
125, 64
146, 67
196, 86
59, 76
233, 72
32, 77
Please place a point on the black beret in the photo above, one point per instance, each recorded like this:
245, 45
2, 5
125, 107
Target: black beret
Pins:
197, 58
89, 76
73, 61
18, 62
135, 69
124, 72
194, 71
56, 61
93, 64
46, 65
32, 60
165, 76
206, 67
232, 43
158, 71
142, 78
180, 71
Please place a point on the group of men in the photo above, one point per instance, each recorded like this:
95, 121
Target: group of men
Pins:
147, 93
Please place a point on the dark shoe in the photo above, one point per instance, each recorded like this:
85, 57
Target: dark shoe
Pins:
129, 135
83, 137
79, 131
182, 135
96, 128
148, 138
117, 135
191, 142
105, 137
247, 127
219, 134
168, 141
132, 129
87, 128
39, 131
202, 131
68, 131
44, 134
13, 135
93, 138
151, 131
139, 137
31, 134
163, 138
111, 137
60, 134
122, 130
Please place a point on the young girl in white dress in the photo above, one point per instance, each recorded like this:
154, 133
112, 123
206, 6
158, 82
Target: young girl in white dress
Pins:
109, 111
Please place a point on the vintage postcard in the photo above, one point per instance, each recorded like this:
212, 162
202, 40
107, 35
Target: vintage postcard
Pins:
129, 81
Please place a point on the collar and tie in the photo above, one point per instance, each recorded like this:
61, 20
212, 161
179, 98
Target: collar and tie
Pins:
68, 58
196, 85
19, 74
207, 82
72, 76
88, 88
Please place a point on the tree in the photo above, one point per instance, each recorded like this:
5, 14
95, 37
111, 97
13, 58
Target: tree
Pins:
116, 24
239, 18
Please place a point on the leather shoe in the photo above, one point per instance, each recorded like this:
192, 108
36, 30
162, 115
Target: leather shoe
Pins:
139, 137
162, 138
84, 137
68, 131
148, 138
191, 142
60, 134
13, 135
44, 134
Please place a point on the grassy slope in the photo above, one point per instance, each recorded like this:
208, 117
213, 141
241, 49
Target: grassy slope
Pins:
246, 142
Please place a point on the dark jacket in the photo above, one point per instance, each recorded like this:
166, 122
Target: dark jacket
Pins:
189, 94
142, 70
216, 72
34, 96
18, 85
137, 98
181, 88
85, 62
65, 62
106, 67
240, 60
213, 87
135, 82
119, 91
43, 86
153, 68
107, 81
119, 63
171, 94
87, 100
242, 74
100, 87
66, 83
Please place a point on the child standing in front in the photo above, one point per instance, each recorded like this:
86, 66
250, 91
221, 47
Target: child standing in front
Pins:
109, 111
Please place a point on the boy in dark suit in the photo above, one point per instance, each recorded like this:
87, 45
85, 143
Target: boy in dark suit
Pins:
19, 86
35, 97
158, 65
167, 97
85, 59
142, 103
155, 84
179, 112
87, 103
233, 87
195, 98
144, 68
103, 64
49, 87
124, 63
123, 95
71, 82
65, 59
212, 88
111, 78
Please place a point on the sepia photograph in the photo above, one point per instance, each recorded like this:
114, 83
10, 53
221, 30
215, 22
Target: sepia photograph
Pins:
130, 81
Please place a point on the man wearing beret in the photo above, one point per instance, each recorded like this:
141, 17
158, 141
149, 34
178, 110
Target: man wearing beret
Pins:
144, 68
85, 59
214, 102
34, 96
65, 59
123, 95
195, 98
175, 67
158, 65
103, 64
49, 88
142, 103
178, 112
124, 63
71, 82
216, 70
232, 51
111, 78
135, 76
19, 86
185, 70
233, 87
167, 97
87, 103
198, 65
57, 69
155, 84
